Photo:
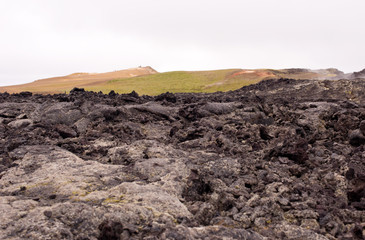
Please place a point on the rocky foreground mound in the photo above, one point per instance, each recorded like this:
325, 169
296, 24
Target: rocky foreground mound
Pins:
282, 159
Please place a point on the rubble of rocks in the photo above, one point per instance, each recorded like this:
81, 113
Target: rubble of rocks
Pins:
282, 159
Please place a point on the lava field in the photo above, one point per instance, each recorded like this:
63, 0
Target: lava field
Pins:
281, 159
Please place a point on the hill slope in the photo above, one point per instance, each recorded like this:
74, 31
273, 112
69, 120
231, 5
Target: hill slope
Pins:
208, 81
66, 83
184, 81
148, 81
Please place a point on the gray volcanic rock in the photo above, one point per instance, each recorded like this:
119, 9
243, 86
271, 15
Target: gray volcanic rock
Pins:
282, 159
20, 123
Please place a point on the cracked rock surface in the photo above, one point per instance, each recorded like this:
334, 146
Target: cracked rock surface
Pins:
282, 159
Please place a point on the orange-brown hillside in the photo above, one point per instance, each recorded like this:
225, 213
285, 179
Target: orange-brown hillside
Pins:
66, 83
145, 80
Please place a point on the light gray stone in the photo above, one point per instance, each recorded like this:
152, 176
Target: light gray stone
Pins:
21, 123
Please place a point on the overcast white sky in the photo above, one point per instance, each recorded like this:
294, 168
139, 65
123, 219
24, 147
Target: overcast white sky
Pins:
45, 38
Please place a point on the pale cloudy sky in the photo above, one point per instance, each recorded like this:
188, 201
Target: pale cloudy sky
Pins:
45, 38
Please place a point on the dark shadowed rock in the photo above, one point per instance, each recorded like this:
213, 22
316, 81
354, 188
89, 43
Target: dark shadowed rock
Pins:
133, 94
110, 230
25, 94
356, 138
65, 131
112, 93
264, 134
77, 90
169, 97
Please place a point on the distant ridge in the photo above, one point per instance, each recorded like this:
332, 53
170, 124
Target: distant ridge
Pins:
66, 83
360, 74
146, 80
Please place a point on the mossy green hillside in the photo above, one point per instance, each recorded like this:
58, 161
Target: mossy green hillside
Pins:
178, 81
